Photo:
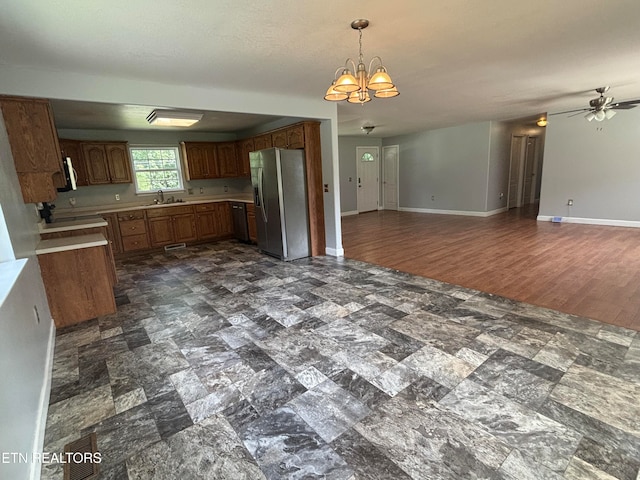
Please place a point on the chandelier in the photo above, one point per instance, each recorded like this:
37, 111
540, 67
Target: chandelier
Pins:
355, 88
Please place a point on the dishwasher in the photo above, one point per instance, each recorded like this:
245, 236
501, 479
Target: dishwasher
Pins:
239, 213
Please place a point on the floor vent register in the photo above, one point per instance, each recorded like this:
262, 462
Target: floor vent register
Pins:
83, 459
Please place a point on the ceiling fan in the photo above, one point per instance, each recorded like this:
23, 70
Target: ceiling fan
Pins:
602, 108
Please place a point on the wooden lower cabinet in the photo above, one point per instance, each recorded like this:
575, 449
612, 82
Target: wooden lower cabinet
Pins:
112, 232
133, 230
214, 220
146, 229
171, 225
251, 222
79, 284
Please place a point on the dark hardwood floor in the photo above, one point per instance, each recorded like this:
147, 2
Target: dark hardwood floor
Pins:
587, 270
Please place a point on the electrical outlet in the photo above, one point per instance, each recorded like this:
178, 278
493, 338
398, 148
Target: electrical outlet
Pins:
433, 198
501, 195
570, 202
117, 196
201, 189
226, 189
190, 191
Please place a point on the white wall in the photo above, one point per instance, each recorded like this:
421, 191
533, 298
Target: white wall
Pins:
597, 165
25, 345
448, 164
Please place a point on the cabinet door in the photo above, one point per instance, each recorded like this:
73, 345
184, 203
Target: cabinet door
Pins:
251, 223
119, 164
206, 225
295, 137
184, 227
263, 141
245, 147
113, 232
199, 160
279, 139
224, 219
32, 135
226, 159
95, 157
73, 150
160, 231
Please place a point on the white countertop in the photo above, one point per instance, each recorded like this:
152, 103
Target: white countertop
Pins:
64, 244
63, 214
72, 223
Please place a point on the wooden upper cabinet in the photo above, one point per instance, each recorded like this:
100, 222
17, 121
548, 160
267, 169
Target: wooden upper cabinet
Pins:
244, 148
32, 134
73, 150
227, 159
199, 160
95, 157
118, 161
107, 163
262, 141
295, 137
279, 139
34, 146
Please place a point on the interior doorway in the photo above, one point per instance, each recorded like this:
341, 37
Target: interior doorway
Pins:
524, 170
368, 165
390, 177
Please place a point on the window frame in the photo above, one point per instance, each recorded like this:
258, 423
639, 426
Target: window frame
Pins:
178, 168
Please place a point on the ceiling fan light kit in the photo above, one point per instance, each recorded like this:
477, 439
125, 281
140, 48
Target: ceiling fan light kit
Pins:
354, 87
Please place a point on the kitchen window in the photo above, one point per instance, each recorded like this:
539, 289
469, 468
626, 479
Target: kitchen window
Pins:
156, 168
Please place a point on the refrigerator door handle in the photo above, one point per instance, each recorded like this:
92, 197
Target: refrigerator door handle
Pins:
261, 193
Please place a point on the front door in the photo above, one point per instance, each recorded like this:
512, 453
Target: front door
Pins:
368, 180
390, 177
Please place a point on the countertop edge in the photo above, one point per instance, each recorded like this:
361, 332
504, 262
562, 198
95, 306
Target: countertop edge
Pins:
55, 245
99, 210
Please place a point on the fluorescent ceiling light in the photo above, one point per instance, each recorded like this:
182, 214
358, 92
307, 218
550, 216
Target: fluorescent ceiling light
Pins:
172, 118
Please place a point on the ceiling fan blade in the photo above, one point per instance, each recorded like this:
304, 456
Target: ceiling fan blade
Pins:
579, 110
623, 106
628, 102
578, 113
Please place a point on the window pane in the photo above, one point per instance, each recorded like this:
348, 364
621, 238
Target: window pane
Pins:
156, 169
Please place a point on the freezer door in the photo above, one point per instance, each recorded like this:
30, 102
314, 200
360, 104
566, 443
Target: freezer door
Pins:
264, 175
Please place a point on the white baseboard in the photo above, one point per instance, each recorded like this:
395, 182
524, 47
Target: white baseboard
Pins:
43, 408
453, 212
592, 221
334, 252
346, 214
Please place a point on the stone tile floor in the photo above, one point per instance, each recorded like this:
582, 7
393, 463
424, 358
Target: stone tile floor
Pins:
222, 363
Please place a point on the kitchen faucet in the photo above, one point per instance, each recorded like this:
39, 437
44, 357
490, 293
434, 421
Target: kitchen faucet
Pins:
160, 198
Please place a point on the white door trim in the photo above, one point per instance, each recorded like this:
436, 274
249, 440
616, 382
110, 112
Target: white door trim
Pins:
397, 173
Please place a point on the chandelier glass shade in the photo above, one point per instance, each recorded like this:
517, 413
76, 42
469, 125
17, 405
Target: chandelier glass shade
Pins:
353, 85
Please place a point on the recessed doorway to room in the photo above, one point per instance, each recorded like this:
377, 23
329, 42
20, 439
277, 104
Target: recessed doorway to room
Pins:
525, 169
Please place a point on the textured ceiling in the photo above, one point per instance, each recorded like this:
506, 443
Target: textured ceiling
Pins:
454, 61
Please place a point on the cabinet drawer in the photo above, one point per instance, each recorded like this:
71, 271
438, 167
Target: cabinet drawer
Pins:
132, 215
205, 207
169, 211
132, 227
135, 242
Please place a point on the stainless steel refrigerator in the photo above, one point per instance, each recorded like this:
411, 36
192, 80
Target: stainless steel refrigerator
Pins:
280, 196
